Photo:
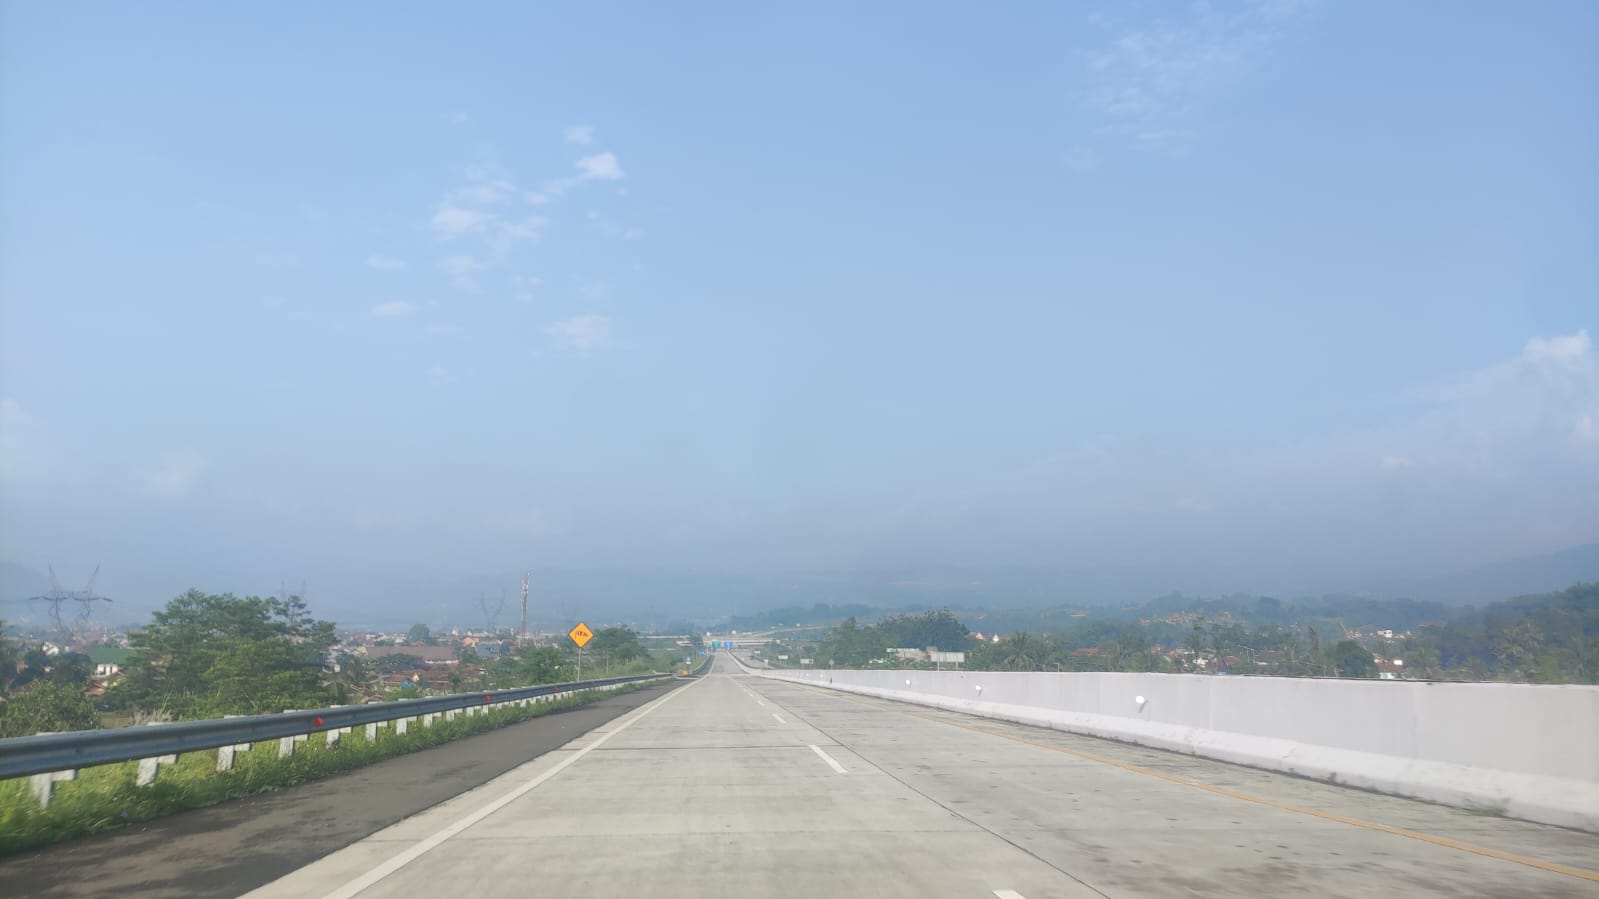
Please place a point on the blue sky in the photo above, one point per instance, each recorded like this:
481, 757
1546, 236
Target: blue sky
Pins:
1271, 295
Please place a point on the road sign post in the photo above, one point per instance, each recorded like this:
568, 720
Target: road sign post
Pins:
580, 635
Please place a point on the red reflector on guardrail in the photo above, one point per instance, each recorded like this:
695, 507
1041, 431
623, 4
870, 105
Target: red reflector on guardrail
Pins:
317, 721
487, 698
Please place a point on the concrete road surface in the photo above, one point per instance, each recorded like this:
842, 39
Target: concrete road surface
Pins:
233, 847
735, 786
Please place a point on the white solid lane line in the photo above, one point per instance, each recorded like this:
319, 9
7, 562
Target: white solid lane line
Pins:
1008, 894
419, 849
779, 718
828, 759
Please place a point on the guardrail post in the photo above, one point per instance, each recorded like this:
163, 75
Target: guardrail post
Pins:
148, 767
371, 732
401, 724
225, 753
43, 785
286, 744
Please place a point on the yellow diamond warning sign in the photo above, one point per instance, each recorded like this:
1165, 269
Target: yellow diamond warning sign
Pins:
580, 635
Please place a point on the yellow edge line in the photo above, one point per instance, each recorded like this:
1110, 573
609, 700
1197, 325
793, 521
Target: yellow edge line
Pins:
1551, 867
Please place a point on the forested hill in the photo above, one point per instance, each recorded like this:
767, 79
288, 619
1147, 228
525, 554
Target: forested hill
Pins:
1549, 638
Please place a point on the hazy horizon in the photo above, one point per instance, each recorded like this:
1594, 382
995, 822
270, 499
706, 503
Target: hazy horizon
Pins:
1253, 297
657, 597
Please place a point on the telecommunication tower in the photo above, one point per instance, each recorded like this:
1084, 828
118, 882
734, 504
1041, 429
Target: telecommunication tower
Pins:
521, 631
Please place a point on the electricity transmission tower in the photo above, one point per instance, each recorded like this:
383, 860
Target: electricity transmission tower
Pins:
491, 615
57, 597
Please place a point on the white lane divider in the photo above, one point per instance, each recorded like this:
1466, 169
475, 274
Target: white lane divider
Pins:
420, 848
779, 718
832, 762
1008, 894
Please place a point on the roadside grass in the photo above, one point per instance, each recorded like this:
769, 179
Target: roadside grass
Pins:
106, 796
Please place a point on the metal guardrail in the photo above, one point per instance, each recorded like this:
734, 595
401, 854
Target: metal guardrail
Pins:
45, 753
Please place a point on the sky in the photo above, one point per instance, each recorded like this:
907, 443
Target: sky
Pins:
1275, 295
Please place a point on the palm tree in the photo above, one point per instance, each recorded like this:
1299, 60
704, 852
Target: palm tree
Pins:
1021, 653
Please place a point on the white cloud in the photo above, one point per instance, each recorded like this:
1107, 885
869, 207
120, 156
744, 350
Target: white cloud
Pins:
1080, 159
176, 475
462, 269
594, 290
13, 416
384, 263
1396, 463
450, 222
1558, 349
601, 225
600, 167
579, 134
393, 308
1154, 82
534, 198
468, 210
582, 332
1529, 421
460, 265
1585, 430
438, 374
508, 234
487, 193
525, 286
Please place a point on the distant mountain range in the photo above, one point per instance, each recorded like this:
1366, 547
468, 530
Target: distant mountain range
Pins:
664, 598
1502, 580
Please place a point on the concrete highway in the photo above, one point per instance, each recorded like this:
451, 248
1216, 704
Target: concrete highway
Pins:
736, 786
234, 847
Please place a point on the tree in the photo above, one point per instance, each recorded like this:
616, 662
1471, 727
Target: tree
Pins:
46, 707
1350, 659
1515, 645
419, 633
10, 659
1195, 643
74, 669
1021, 652
540, 665
207, 655
618, 644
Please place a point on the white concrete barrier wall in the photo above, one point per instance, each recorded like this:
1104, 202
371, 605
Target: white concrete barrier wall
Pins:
1531, 750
